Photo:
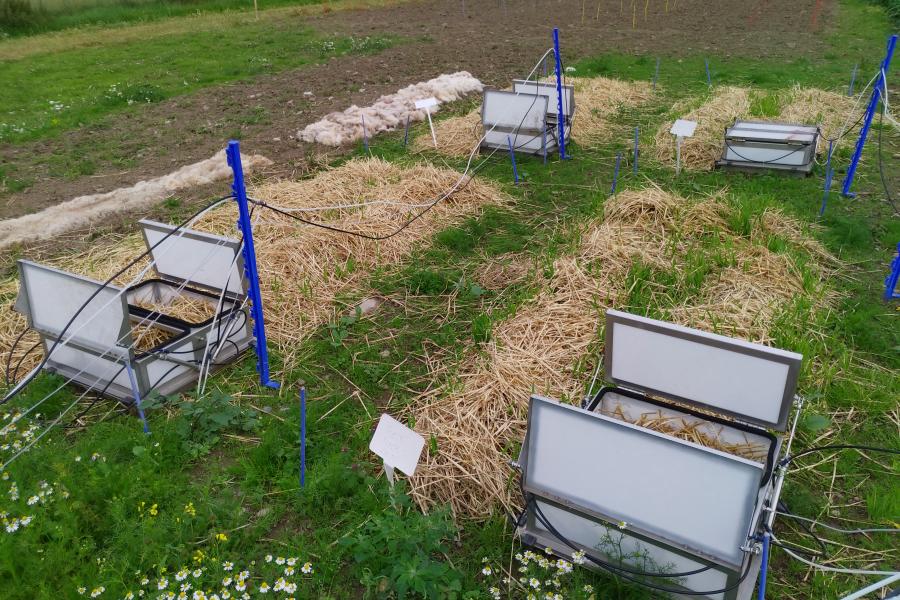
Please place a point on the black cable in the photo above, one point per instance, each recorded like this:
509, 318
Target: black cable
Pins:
781, 506
621, 572
887, 191
788, 459
848, 130
9, 396
11, 350
15, 373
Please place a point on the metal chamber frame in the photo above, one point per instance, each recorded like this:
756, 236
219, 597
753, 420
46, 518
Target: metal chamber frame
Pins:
97, 352
648, 501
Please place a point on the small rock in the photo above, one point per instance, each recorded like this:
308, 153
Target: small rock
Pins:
307, 93
368, 305
276, 139
384, 353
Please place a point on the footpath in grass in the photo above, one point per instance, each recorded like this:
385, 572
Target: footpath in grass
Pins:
219, 486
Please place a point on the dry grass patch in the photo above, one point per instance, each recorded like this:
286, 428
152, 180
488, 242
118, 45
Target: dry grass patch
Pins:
303, 268
477, 417
597, 100
807, 106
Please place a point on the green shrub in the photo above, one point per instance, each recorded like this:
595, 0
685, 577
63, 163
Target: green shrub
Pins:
400, 552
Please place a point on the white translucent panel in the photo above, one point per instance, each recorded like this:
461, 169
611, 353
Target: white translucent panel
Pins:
772, 155
524, 142
521, 86
88, 369
159, 371
202, 259
753, 130
750, 381
696, 498
524, 112
54, 297
616, 545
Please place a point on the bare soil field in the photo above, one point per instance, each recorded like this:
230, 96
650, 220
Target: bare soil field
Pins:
492, 40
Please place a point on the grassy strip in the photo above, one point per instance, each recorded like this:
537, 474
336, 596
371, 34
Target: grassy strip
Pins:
82, 86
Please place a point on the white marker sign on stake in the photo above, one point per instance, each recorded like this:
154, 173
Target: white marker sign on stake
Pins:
681, 129
398, 446
427, 103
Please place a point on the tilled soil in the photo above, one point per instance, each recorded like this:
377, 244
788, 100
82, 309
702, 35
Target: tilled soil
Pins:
494, 39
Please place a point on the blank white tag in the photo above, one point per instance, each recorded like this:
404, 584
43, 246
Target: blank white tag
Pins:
399, 446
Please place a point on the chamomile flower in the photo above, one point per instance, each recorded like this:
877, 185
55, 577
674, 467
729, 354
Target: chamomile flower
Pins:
182, 574
487, 570
534, 582
306, 569
162, 583
495, 593
263, 587
578, 557
268, 558
279, 560
81, 590
97, 591
588, 589
227, 565
292, 561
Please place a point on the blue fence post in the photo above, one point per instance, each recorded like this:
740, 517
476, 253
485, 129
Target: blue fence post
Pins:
616, 173
365, 133
559, 96
406, 133
636, 146
852, 79
870, 114
656, 73
239, 190
890, 284
302, 435
828, 176
512, 157
137, 395
708, 74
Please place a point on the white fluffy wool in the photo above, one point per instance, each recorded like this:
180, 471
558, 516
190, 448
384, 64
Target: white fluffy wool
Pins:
84, 210
389, 111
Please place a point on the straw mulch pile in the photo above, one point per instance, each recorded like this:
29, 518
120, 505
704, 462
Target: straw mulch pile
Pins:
806, 106
192, 310
302, 268
597, 100
701, 151
456, 136
477, 416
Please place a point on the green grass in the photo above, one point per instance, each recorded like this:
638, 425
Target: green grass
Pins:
78, 87
361, 540
27, 17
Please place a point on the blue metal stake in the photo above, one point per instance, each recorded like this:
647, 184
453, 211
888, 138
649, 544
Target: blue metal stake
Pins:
137, 396
233, 152
512, 157
764, 567
828, 175
656, 73
616, 173
708, 74
406, 133
852, 79
870, 114
636, 132
890, 284
559, 96
302, 435
365, 134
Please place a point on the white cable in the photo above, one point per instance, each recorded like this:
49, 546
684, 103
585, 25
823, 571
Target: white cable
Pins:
873, 588
831, 569
838, 529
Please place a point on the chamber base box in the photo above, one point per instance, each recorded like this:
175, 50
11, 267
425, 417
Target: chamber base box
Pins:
668, 474
754, 146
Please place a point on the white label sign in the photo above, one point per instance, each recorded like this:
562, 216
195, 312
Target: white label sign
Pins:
426, 103
683, 128
398, 445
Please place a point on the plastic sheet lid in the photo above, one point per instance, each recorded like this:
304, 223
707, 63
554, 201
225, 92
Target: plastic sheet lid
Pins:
201, 259
749, 382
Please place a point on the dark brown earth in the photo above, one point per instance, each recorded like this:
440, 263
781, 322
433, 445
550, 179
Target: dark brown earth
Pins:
493, 39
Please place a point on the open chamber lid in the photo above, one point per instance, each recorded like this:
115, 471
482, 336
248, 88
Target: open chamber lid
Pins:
778, 133
199, 259
749, 382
